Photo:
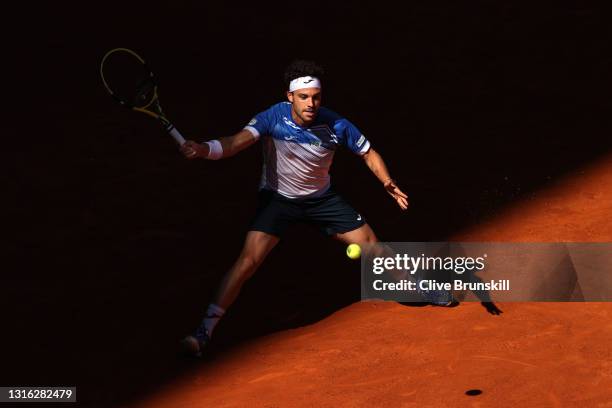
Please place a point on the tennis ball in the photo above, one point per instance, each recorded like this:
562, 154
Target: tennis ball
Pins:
353, 251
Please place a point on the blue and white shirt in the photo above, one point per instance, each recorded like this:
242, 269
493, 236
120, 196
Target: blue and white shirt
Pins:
297, 159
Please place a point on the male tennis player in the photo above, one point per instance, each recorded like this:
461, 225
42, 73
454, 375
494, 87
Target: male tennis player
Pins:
299, 139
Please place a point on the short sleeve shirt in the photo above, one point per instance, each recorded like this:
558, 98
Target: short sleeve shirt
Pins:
297, 159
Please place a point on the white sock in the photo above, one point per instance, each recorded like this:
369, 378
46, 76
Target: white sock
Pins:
214, 313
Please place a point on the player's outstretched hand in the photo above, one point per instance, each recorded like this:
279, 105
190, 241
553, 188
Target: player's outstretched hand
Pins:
398, 195
193, 150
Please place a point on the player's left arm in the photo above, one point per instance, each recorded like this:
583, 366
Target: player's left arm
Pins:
377, 165
359, 144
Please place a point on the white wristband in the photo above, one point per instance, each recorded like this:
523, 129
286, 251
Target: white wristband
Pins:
215, 150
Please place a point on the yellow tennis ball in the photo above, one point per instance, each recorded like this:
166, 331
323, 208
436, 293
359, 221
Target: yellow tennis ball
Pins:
353, 251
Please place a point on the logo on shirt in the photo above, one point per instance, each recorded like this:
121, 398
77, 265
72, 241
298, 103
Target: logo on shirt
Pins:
324, 133
358, 217
290, 123
252, 122
360, 141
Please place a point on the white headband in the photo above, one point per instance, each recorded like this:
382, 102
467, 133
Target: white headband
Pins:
304, 82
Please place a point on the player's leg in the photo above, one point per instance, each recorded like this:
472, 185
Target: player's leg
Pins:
256, 247
365, 237
273, 216
337, 218
361, 235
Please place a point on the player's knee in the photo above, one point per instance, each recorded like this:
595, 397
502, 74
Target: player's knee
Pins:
248, 265
370, 237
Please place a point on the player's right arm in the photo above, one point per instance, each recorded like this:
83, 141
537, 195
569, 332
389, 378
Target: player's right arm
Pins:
226, 147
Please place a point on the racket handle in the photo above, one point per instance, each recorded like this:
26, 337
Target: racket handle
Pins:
176, 135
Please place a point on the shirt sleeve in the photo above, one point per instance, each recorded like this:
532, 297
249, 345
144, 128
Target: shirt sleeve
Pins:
260, 124
354, 139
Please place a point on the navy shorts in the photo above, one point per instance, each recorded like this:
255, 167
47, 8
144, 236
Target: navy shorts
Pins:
328, 212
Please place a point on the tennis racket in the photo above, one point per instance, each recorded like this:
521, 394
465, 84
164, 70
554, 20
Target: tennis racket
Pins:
130, 82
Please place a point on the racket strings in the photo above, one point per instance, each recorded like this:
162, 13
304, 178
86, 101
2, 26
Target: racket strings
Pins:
145, 93
128, 79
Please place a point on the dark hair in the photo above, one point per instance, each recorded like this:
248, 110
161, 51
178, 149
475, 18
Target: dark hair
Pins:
300, 68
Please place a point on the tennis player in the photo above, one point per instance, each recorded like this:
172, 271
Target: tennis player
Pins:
299, 138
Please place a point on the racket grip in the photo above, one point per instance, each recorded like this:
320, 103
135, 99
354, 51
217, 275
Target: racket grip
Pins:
176, 135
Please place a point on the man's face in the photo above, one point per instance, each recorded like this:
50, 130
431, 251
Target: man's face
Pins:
305, 104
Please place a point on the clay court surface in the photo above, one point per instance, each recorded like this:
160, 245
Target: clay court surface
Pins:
382, 354
387, 355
